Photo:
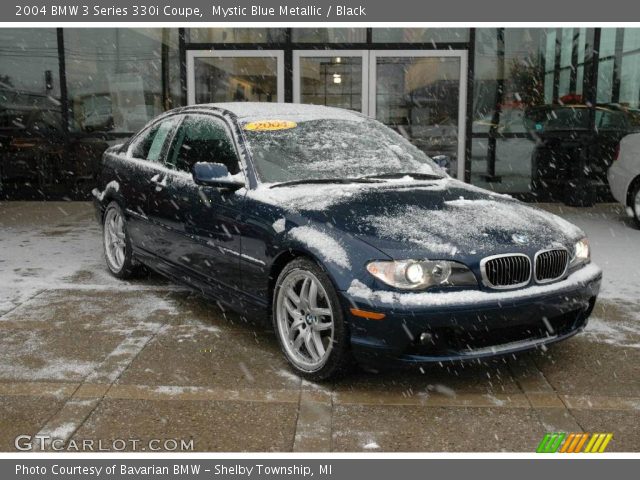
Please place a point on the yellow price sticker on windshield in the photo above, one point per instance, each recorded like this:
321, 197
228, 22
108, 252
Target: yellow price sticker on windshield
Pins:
269, 125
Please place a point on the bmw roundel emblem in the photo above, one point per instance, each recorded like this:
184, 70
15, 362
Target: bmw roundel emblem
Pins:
520, 238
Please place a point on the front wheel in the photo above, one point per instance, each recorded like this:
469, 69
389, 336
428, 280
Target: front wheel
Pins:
309, 322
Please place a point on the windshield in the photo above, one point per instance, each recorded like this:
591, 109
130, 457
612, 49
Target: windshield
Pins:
331, 148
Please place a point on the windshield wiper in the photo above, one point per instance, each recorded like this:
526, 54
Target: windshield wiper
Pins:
416, 175
325, 180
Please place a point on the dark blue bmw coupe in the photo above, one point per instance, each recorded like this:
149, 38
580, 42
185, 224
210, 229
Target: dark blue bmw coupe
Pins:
349, 238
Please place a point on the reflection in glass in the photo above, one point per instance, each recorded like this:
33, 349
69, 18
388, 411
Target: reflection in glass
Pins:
28, 63
236, 79
515, 70
419, 98
420, 35
236, 35
331, 81
329, 35
32, 136
118, 79
630, 74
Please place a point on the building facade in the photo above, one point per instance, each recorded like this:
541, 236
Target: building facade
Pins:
533, 112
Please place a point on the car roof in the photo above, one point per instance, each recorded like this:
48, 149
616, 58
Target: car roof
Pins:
251, 111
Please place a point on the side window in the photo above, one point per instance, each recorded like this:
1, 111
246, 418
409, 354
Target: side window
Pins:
150, 145
202, 138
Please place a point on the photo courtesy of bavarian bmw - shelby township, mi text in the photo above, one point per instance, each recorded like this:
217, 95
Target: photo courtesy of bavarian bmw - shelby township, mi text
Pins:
283, 239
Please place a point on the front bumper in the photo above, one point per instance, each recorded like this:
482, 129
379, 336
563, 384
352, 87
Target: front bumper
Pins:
469, 325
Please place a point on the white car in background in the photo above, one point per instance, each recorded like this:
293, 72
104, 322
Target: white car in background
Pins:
624, 175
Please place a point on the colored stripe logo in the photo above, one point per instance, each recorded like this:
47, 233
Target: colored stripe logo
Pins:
574, 443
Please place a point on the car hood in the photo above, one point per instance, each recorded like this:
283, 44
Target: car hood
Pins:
430, 219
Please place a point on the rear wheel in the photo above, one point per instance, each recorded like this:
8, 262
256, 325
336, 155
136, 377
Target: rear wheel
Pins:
117, 245
309, 322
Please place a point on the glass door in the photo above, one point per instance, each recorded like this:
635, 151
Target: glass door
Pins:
334, 78
215, 76
422, 94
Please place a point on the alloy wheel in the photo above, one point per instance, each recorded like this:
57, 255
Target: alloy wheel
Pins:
114, 239
305, 320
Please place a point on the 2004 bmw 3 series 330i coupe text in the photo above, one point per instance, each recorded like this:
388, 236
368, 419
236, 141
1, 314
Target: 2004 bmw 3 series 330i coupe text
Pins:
349, 238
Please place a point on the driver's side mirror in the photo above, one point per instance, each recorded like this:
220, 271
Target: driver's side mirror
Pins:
216, 175
443, 161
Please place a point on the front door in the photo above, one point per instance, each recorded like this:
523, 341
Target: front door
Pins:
197, 227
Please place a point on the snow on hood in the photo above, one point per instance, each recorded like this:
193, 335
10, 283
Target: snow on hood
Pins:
472, 226
437, 216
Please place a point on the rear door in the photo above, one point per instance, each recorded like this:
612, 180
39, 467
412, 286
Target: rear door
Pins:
197, 228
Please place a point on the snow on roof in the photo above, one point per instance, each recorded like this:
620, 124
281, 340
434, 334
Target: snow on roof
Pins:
247, 111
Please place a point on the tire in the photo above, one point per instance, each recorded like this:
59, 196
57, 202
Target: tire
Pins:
635, 203
300, 325
121, 264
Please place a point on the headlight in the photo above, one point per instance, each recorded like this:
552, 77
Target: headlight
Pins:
581, 253
416, 274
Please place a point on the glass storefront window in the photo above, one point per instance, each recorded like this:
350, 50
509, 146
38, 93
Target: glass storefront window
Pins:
420, 35
535, 128
118, 79
235, 78
334, 81
28, 65
32, 134
524, 79
514, 71
605, 80
630, 69
329, 35
418, 97
236, 35
606, 65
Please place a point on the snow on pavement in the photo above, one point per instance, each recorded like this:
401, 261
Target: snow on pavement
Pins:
60, 252
615, 247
